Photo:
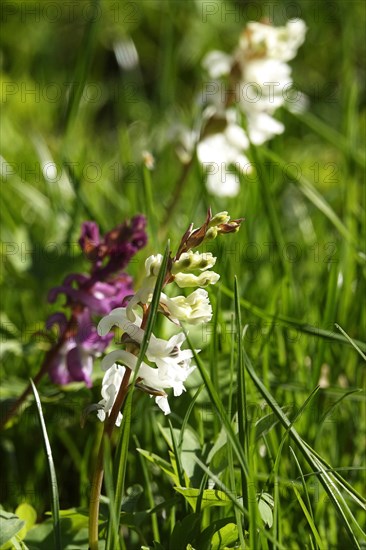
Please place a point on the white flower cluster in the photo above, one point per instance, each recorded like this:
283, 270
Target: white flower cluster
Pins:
171, 364
254, 81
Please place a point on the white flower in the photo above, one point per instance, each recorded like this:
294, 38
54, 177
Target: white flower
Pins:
194, 309
262, 127
152, 265
205, 278
166, 354
265, 85
144, 294
217, 152
173, 369
217, 63
110, 387
280, 43
119, 317
223, 186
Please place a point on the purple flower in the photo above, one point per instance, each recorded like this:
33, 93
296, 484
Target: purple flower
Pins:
114, 251
104, 289
98, 297
73, 360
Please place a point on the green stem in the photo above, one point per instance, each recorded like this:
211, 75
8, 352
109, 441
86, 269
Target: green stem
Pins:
99, 470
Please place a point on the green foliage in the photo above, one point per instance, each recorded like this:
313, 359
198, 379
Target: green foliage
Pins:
265, 450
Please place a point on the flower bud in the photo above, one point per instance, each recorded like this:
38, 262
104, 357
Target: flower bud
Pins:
218, 219
152, 265
189, 261
205, 278
211, 234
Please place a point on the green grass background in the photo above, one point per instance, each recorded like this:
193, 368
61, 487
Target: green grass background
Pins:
299, 259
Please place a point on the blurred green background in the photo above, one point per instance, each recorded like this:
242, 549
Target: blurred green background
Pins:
86, 88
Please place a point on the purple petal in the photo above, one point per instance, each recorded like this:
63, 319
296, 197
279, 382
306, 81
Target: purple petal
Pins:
57, 318
79, 366
58, 371
78, 277
90, 240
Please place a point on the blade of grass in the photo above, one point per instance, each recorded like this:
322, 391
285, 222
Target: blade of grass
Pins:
274, 221
292, 323
276, 514
187, 415
122, 447
351, 341
327, 318
55, 506
243, 425
220, 410
309, 519
328, 484
109, 485
177, 456
305, 489
86, 51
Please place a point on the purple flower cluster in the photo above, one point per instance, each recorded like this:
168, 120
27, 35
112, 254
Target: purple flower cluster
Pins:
97, 293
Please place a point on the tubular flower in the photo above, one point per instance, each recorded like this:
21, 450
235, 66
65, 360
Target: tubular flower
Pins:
169, 366
193, 309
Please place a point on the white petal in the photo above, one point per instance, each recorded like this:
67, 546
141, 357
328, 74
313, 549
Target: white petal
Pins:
162, 402
217, 63
230, 187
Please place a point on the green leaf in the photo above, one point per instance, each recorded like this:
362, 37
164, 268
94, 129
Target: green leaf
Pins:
184, 532
225, 536
165, 466
189, 447
210, 497
265, 505
27, 513
10, 525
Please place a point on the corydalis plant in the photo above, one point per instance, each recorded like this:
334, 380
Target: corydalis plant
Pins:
171, 364
246, 89
186, 269
87, 295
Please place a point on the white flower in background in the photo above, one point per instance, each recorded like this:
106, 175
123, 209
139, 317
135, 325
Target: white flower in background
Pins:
259, 78
262, 127
218, 151
282, 43
217, 63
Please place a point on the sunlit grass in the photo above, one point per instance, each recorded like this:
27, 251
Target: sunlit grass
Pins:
276, 407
